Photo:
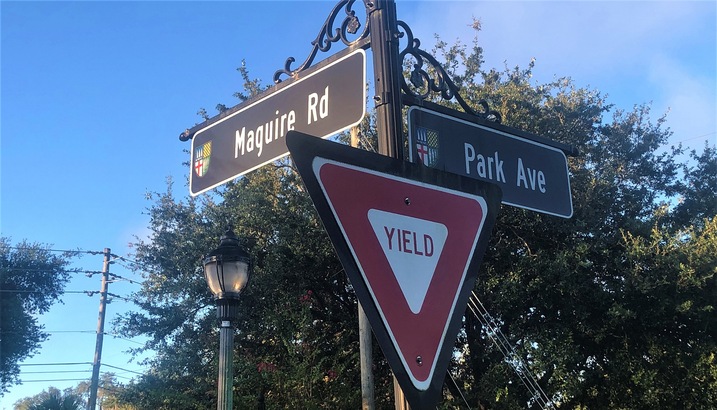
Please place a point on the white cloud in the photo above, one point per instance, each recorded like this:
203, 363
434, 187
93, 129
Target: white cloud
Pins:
635, 52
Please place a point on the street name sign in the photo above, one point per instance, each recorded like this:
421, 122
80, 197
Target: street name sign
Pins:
327, 99
410, 239
530, 170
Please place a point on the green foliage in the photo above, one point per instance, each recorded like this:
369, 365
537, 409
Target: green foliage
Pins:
52, 399
31, 280
697, 199
297, 341
673, 340
560, 288
611, 309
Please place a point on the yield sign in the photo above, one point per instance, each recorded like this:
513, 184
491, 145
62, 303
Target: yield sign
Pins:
410, 239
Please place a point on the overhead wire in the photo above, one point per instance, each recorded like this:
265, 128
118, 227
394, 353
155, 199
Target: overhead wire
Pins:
695, 137
75, 251
120, 368
73, 270
458, 389
54, 364
513, 358
89, 370
122, 278
87, 292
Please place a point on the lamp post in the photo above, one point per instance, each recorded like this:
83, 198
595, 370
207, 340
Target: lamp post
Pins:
226, 270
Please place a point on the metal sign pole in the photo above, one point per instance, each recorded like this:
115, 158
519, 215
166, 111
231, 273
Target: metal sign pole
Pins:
386, 70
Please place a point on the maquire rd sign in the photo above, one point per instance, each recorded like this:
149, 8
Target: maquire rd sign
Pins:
326, 99
410, 239
531, 171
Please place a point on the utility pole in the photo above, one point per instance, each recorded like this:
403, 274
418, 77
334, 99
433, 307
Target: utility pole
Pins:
383, 26
100, 332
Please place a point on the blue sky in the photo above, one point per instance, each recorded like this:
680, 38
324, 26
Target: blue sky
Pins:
94, 95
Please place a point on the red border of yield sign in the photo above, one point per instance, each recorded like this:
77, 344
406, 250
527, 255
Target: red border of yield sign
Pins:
345, 184
417, 336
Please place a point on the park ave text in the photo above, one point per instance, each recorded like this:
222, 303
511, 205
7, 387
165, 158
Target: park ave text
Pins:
490, 167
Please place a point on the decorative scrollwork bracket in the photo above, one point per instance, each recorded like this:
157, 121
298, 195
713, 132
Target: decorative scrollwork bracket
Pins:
438, 81
328, 35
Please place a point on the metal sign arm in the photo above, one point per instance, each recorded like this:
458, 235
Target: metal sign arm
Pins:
327, 36
440, 82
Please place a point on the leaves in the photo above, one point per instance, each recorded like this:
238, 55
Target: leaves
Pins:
32, 278
611, 309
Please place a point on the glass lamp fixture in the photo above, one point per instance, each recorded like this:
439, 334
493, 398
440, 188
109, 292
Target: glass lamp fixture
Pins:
226, 270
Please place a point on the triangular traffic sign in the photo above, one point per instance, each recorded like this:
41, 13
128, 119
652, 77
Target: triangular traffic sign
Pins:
410, 239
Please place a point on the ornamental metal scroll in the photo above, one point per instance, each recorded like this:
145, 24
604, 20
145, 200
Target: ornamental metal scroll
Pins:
438, 82
328, 35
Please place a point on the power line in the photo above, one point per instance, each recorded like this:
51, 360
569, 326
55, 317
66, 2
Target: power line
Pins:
87, 292
88, 273
125, 370
53, 364
75, 251
694, 138
521, 368
53, 331
123, 258
134, 282
58, 371
119, 377
458, 389
50, 271
75, 371
137, 265
123, 338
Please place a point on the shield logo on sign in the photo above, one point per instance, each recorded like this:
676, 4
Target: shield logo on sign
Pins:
427, 146
202, 155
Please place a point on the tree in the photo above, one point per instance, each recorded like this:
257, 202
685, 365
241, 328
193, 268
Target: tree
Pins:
294, 347
558, 287
697, 199
32, 278
611, 309
109, 389
52, 399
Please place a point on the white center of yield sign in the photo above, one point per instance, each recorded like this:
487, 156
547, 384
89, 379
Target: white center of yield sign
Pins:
412, 247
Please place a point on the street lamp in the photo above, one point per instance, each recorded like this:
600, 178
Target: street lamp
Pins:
226, 270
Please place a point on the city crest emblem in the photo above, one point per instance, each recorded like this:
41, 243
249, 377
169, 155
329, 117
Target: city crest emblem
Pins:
427, 146
202, 155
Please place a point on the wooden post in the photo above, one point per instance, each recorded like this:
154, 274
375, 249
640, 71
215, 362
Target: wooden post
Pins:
94, 384
365, 339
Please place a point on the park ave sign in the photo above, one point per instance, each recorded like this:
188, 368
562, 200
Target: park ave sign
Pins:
531, 171
327, 99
